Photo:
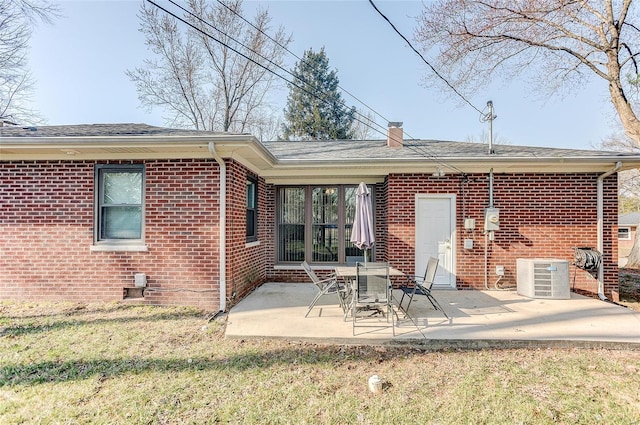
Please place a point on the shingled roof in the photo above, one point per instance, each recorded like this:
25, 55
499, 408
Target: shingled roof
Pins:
94, 130
310, 150
629, 219
290, 159
332, 150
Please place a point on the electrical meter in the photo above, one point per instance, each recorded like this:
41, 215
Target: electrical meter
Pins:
491, 219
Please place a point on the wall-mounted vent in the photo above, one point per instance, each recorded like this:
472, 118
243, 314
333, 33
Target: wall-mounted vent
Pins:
543, 278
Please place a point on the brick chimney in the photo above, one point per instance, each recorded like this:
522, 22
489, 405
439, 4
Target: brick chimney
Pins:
394, 135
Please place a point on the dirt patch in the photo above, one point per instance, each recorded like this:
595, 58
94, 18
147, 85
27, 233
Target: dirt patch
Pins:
630, 288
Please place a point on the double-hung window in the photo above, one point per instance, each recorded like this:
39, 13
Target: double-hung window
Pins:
119, 203
252, 209
314, 223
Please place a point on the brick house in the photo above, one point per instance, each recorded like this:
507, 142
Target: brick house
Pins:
627, 228
91, 212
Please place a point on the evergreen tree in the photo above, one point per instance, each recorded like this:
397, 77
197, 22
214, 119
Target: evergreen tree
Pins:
315, 109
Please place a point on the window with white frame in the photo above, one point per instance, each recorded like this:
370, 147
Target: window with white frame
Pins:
624, 233
119, 203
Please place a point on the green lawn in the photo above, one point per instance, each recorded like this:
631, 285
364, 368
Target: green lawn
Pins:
128, 364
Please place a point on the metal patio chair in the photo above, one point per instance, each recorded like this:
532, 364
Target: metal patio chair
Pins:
327, 285
371, 294
422, 285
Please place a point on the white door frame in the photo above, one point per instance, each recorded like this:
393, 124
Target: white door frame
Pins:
450, 278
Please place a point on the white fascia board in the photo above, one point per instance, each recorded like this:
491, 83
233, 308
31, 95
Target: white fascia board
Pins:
248, 151
287, 168
252, 155
115, 147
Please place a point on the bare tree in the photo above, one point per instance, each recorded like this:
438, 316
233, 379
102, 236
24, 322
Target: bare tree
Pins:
267, 127
565, 41
196, 76
362, 127
629, 180
17, 20
483, 137
628, 187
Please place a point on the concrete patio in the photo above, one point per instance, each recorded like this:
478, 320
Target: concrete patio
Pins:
478, 319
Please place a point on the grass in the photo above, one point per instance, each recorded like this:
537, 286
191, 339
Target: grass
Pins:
131, 364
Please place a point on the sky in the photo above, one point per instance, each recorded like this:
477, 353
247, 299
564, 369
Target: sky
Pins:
79, 63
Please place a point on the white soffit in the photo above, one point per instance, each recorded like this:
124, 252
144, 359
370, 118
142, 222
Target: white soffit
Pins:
249, 152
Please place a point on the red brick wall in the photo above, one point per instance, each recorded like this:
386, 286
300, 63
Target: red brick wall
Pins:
540, 216
245, 261
46, 231
382, 222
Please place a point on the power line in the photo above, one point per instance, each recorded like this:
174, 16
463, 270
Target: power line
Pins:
303, 61
367, 123
200, 30
426, 152
343, 103
300, 59
422, 150
423, 58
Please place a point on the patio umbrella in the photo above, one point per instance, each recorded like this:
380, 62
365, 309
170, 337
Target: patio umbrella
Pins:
362, 232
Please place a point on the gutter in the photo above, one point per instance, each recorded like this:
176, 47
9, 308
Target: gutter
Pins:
223, 227
600, 216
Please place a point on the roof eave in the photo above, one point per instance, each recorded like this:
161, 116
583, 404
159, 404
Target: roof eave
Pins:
378, 168
122, 147
248, 151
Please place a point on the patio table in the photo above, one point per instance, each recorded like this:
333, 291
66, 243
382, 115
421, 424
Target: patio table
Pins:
348, 274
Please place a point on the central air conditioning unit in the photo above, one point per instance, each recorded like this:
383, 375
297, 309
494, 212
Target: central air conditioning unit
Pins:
543, 278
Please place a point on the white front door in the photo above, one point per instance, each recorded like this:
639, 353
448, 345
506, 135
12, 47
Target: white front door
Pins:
435, 236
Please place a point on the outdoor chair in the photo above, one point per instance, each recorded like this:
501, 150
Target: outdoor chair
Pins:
421, 285
371, 294
327, 285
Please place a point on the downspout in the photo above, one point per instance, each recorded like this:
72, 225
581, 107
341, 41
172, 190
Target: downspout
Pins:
600, 217
223, 227
488, 235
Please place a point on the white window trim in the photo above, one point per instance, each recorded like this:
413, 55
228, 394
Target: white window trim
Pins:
115, 245
628, 238
110, 247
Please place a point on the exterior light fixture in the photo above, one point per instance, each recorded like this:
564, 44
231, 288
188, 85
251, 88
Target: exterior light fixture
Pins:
438, 173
